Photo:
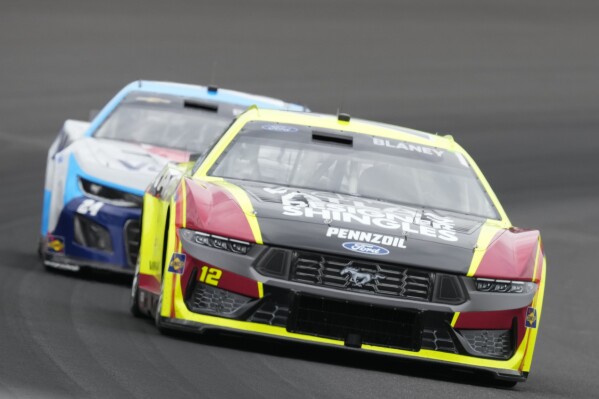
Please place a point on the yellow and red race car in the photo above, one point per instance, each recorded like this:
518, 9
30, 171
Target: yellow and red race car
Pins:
342, 232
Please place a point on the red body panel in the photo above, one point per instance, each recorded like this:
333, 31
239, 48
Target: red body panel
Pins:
500, 320
149, 283
228, 281
212, 209
511, 256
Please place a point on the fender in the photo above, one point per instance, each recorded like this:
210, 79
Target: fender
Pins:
513, 255
215, 210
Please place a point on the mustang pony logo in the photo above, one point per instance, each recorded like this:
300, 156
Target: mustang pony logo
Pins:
359, 278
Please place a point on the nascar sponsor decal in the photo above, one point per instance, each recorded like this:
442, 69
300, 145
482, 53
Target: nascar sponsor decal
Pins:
330, 207
531, 318
366, 249
364, 236
177, 263
55, 244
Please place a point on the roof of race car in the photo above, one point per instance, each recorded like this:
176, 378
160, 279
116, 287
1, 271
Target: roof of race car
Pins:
355, 125
191, 91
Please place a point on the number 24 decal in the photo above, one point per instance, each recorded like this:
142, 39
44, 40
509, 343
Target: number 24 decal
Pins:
90, 207
210, 275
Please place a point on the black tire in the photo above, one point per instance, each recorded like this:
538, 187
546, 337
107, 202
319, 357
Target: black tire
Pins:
157, 317
41, 256
505, 384
134, 299
40, 251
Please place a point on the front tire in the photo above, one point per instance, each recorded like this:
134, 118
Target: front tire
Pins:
505, 384
40, 249
134, 299
157, 317
41, 254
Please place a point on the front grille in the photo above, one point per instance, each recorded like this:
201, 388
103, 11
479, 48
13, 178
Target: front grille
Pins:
272, 313
490, 343
361, 276
362, 323
438, 340
209, 299
132, 238
88, 233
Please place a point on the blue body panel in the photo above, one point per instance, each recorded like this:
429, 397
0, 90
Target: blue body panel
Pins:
111, 217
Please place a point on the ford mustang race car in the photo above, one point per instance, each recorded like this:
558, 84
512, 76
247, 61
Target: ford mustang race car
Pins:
342, 232
97, 172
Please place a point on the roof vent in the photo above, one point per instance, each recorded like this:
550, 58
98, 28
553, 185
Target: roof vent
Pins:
212, 89
341, 117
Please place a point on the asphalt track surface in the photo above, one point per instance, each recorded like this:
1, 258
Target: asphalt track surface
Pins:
516, 82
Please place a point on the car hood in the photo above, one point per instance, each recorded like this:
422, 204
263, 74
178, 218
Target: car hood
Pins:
356, 227
126, 164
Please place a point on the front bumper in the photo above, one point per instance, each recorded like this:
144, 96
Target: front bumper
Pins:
63, 248
247, 301
425, 336
424, 356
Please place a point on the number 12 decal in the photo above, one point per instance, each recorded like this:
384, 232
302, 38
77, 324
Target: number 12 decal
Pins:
210, 275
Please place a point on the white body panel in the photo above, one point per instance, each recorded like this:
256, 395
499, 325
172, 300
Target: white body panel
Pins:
116, 163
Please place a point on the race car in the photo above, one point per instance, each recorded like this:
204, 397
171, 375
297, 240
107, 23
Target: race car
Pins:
342, 232
97, 172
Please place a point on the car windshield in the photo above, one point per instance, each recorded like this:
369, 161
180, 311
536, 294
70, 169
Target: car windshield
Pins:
355, 164
164, 123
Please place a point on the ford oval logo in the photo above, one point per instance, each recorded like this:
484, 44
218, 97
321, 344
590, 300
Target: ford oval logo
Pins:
363, 248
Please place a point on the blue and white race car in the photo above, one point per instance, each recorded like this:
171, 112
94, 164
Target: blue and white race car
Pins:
97, 172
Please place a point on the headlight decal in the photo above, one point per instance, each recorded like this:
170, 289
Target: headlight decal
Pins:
214, 241
109, 194
504, 286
